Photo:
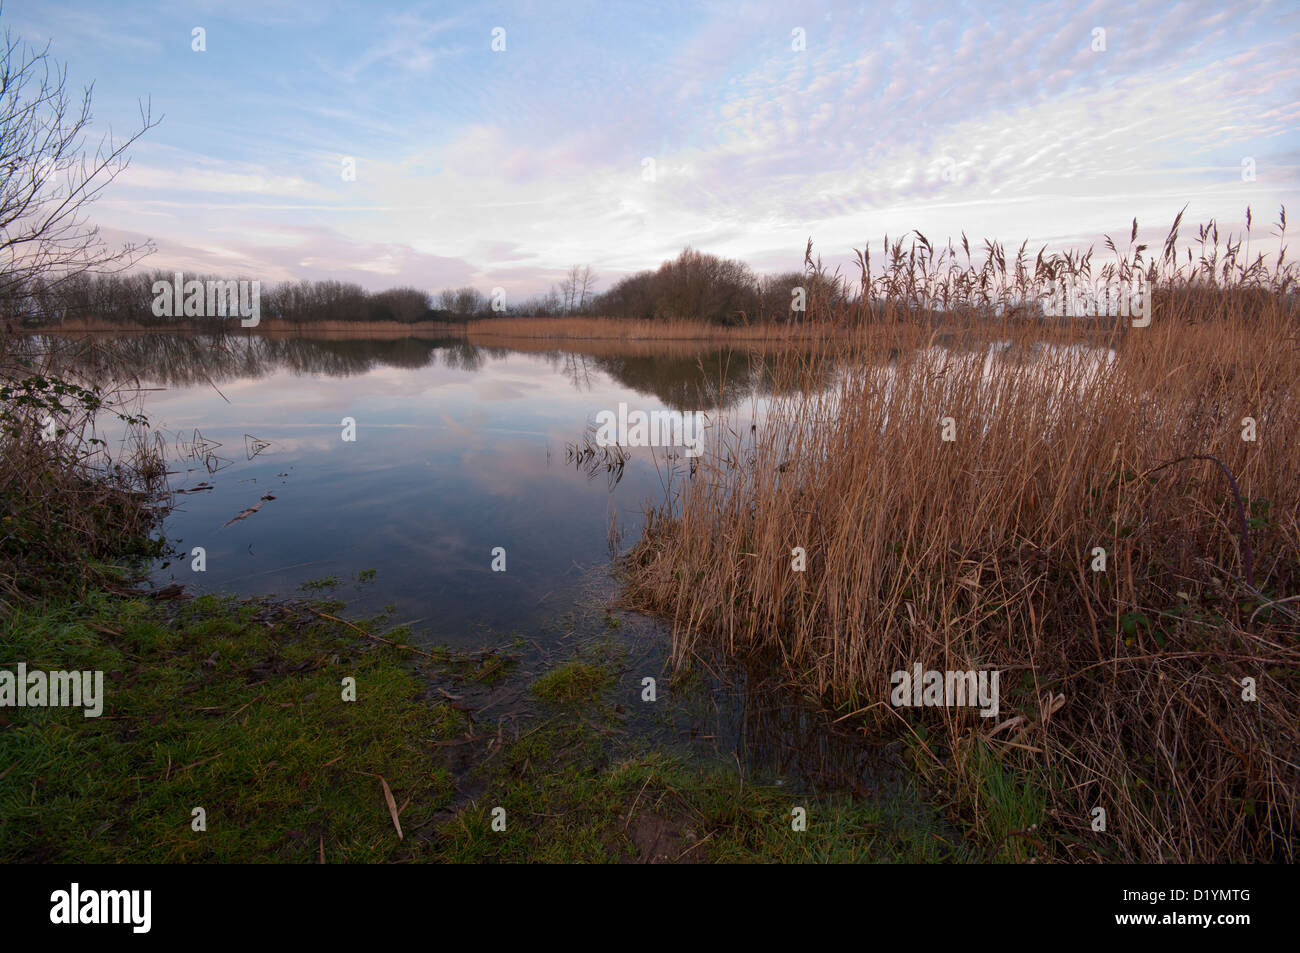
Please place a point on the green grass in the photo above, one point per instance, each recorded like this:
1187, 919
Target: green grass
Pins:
233, 707
1013, 803
236, 707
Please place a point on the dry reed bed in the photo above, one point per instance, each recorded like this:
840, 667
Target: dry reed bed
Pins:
623, 329
1121, 689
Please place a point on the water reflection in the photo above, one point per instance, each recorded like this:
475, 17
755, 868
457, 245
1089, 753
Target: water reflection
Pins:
694, 377
459, 449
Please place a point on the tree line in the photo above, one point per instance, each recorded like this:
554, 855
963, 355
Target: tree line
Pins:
693, 286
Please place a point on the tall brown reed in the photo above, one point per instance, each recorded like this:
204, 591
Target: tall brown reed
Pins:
1124, 687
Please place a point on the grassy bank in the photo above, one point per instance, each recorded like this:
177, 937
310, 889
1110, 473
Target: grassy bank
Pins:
1116, 530
234, 709
237, 708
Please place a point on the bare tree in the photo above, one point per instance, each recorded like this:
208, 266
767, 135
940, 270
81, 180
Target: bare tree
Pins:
586, 285
569, 289
576, 287
48, 178
469, 302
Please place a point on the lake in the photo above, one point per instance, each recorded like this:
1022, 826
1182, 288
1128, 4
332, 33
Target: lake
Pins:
393, 474
458, 450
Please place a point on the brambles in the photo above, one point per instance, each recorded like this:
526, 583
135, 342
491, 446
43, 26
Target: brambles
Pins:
70, 502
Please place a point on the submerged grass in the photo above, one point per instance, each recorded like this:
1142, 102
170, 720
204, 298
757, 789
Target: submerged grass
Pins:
237, 708
575, 786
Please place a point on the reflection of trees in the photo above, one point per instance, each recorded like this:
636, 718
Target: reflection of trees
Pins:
330, 356
577, 370
183, 359
462, 356
712, 379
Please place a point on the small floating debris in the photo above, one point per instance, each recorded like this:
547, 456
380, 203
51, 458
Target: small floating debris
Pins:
198, 488
250, 511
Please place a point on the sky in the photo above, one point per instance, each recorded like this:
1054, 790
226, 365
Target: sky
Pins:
615, 134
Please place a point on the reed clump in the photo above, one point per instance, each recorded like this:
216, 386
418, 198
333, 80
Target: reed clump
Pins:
73, 498
1108, 515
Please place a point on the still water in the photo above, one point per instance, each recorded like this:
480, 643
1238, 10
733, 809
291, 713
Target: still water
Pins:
461, 450
459, 453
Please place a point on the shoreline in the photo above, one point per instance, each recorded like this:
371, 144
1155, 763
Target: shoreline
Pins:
237, 708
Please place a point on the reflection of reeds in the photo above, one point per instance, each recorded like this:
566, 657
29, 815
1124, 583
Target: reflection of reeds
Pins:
1122, 688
